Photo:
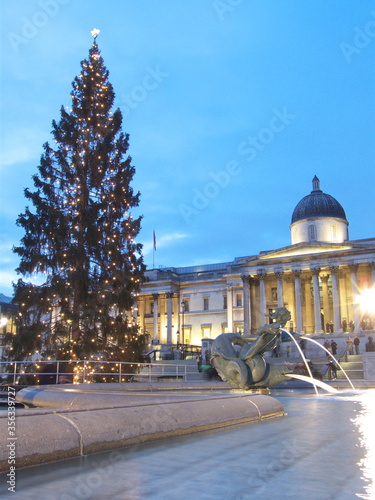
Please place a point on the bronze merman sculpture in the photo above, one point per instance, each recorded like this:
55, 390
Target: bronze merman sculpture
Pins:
245, 367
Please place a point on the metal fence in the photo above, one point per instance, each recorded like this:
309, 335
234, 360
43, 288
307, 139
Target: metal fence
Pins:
86, 371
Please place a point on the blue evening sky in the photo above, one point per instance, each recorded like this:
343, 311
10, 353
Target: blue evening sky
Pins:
232, 107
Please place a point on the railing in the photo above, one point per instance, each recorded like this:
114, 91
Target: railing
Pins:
84, 371
183, 351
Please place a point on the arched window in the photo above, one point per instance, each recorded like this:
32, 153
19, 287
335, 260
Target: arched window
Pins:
312, 232
334, 232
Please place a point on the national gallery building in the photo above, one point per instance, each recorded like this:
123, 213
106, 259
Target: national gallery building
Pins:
319, 277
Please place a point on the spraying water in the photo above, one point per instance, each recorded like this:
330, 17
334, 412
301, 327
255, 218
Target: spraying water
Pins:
322, 346
319, 383
313, 381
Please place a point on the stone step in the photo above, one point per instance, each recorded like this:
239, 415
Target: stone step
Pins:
353, 375
351, 366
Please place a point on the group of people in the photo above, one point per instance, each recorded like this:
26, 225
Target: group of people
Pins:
330, 346
352, 344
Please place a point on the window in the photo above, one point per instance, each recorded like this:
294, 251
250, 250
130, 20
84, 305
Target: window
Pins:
206, 331
334, 232
274, 294
225, 306
206, 303
185, 307
239, 299
312, 232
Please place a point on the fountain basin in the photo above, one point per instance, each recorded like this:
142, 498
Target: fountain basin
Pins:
84, 419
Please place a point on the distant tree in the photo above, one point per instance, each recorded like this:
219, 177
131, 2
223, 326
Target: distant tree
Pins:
80, 234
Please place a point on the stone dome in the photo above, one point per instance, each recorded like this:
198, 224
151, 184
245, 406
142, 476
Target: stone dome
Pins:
318, 204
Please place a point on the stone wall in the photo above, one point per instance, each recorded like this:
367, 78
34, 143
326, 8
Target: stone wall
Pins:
369, 365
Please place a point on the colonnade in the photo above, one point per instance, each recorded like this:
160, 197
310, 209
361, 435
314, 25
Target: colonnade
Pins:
310, 293
329, 300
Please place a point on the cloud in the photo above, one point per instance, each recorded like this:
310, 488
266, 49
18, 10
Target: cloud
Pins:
162, 241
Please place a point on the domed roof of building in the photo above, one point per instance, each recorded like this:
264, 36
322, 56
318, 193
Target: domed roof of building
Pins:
318, 204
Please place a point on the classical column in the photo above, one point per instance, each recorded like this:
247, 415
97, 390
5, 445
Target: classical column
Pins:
280, 295
372, 267
230, 309
336, 299
356, 313
135, 311
308, 317
262, 296
317, 314
326, 308
169, 317
297, 298
246, 304
155, 296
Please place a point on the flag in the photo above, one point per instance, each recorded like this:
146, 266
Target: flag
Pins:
154, 241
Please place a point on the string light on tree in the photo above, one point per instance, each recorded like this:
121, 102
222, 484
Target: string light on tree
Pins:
80, 237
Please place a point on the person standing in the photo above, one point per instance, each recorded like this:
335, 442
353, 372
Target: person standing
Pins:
349, 346
327, 345
356, 343
370, 346
332, 369
334, 347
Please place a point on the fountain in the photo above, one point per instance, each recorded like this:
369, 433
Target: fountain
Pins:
293, 375
244, 367
333, 357
239, 359
317, 383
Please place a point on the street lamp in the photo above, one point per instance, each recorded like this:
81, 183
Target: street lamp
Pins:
367, 300
183, 320
3, 324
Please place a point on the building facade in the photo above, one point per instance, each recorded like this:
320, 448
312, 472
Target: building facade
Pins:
320, 278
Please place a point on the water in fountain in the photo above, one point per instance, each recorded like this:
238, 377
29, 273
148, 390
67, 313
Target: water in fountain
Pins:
336, 361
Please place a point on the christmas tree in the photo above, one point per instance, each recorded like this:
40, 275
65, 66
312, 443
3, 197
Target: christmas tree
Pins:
79, 237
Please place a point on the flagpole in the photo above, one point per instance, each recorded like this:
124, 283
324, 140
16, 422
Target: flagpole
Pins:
153, 249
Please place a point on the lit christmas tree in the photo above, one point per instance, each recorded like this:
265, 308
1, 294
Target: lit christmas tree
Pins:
80, 236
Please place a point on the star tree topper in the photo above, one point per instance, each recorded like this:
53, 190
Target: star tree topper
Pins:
95, 32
